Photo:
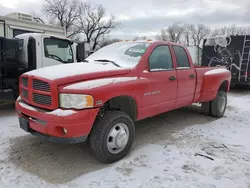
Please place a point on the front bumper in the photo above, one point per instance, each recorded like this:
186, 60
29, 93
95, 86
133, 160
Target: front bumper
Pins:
51, 126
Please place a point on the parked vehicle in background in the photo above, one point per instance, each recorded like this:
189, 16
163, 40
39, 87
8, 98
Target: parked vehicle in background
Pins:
16, 23
233, 52
99, 100
31, 51
26, 45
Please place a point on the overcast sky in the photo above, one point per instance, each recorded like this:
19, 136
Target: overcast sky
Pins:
147, 17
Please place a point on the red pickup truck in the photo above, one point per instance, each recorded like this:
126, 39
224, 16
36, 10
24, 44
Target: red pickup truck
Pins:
99, 100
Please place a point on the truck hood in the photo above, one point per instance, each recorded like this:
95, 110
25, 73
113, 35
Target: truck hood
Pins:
68, 73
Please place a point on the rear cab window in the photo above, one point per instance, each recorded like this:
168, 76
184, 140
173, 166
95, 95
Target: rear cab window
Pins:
181, 57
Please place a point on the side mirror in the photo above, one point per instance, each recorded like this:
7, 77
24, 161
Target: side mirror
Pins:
80, 52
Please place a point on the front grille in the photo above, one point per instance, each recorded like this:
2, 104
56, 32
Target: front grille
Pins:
42, 99
25, 81
40, 85
24, 93
37, 92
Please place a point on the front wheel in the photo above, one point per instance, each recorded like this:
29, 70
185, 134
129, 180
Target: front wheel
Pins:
112, 136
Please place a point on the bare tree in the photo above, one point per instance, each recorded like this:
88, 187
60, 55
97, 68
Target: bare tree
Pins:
163, 36
223, 30
107, 41
231, 30
242, 30
37, 17
248, 30
94, 22
187, 34
175, 32
214, 32
198, 33
63, 13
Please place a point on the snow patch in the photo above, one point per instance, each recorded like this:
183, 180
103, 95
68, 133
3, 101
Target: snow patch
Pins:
98, 83
73, 69
216, 71
120, 53
164, 158
62, 113
28, 107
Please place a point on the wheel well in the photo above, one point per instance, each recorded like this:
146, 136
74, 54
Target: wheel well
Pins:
125, 104
224, 86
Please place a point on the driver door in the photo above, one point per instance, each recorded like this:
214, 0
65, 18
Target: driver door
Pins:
56, 51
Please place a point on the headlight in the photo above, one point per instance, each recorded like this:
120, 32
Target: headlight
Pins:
77, 101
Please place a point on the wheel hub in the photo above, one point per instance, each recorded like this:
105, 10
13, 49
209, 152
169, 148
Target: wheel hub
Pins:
117, 138
121, 139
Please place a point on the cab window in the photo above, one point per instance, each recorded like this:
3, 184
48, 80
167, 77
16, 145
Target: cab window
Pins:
160, 59
58, 49
181, 57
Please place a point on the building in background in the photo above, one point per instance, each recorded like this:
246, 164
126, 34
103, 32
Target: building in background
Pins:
196, 54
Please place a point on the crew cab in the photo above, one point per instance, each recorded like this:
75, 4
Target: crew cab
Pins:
99, 100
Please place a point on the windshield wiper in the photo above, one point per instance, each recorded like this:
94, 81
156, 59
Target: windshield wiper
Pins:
109, 61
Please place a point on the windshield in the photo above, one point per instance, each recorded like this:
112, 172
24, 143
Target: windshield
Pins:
58, 49
124, 54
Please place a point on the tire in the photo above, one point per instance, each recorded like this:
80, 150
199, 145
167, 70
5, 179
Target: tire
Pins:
219, 104
103, 135
206, 108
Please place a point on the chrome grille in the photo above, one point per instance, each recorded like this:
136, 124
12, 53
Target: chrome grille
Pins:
25, 81
40, 85
42, 99
24, 93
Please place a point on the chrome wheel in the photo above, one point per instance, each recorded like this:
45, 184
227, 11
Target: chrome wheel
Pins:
222, 104
117, 138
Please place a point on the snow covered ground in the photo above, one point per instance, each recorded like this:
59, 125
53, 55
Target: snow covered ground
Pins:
182, 149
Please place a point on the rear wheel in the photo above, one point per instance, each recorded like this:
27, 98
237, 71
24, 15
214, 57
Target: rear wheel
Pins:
219, 104
112, 136
216, 107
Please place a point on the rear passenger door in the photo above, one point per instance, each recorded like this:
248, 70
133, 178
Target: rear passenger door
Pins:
186, 78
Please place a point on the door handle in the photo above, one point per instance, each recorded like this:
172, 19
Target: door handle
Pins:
191, 76
172, 78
